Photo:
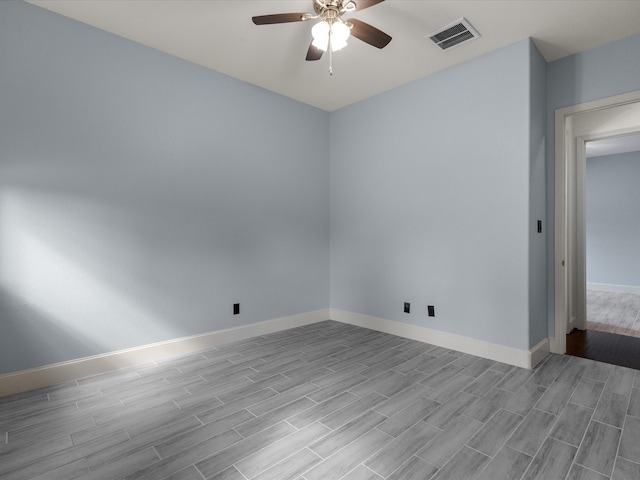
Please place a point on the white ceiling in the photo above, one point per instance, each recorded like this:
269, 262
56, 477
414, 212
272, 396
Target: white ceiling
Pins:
219, 35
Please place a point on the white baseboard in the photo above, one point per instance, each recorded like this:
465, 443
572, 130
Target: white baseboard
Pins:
492, 351
539, 352
607, 287
22, 381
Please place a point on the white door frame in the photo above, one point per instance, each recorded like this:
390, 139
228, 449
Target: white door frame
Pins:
574, 126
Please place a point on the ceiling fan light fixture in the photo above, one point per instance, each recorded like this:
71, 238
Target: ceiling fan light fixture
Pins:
320, 34
339, 35
334, 36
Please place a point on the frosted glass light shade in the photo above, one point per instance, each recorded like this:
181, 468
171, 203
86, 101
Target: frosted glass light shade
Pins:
339, 35
320, 33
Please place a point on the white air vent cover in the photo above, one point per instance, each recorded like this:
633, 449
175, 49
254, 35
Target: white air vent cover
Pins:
453, 34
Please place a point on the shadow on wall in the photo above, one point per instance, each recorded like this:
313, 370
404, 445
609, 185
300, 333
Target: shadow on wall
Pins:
79, 278
47, 339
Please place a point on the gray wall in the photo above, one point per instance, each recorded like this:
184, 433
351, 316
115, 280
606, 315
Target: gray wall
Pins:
430, 199
613, 219
602, 72
141, 196
537, 199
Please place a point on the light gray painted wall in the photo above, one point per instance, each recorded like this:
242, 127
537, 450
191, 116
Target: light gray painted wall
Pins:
602, 72
537, 199
141, 196
613, 219
430, 194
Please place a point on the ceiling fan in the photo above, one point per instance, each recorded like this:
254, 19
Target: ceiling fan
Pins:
331, 32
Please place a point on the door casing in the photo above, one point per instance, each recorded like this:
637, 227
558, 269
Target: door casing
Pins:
574, 126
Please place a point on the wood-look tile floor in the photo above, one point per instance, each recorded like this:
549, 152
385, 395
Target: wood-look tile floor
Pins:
611, 312
329, 401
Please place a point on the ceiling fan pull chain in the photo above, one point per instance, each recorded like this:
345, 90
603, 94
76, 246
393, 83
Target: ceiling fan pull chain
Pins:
330, 63
330, 55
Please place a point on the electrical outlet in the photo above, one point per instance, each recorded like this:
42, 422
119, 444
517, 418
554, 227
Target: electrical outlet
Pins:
236, 308
407, 307
431, 310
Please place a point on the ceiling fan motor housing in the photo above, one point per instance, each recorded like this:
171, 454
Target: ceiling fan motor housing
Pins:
321, 5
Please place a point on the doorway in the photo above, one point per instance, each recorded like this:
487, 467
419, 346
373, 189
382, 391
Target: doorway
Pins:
612, 203
612, 209
575, 126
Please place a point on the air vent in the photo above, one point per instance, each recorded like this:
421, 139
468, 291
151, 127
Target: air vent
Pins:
453, 34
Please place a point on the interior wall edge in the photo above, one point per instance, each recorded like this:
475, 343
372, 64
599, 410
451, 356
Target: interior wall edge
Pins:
512, 356
48, 375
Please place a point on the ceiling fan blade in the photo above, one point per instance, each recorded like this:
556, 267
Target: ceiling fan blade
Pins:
368, 34
362, 4
279, 18
314, 53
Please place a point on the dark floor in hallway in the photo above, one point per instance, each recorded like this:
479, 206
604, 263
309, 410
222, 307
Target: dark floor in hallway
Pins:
605, 347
